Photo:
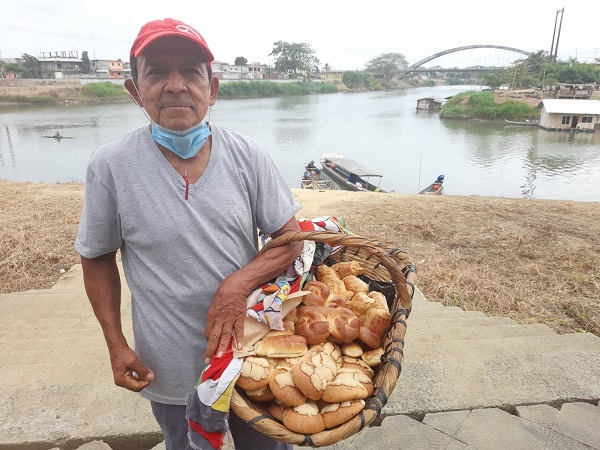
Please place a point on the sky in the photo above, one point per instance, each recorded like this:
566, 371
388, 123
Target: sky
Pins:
345, 35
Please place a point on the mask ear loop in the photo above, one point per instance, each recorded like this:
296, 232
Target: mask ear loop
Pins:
134, 100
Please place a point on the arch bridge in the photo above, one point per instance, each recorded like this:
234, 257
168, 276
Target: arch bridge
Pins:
416, 66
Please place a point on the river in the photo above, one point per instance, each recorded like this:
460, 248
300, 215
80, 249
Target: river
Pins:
382, 130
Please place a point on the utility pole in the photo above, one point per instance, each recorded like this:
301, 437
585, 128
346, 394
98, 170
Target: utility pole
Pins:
553, 36
559, 27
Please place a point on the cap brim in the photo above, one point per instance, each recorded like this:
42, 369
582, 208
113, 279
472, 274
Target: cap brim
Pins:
150, 39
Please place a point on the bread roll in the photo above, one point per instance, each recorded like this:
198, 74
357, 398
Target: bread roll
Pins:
345, 388
378, 321
335, 301
276, 410
335, 414
317, 288
304, 419
352, 349
328, 276
312, 325
334, 351
360, 305
355, 375
263, 394
380, 300
255, 373
373, 357
357, 364
312, 373
287, 331
368, 338
344, 326
355, 284
284, 389
347, 268
281, 347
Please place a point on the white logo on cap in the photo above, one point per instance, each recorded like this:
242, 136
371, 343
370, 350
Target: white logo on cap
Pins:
186, 29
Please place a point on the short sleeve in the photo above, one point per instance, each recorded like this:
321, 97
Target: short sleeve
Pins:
275, 204
99, 228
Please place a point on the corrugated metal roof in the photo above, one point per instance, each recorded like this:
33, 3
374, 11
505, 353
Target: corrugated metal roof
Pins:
571, 106
350, 165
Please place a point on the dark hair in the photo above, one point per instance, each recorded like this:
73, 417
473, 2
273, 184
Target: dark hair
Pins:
134, 72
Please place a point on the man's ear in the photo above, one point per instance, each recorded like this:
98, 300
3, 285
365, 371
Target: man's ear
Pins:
213, 90
130, 86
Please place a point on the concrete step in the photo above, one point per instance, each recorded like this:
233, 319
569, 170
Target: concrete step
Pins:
508, 346
476, 332
446, 312
495, 381
444, 323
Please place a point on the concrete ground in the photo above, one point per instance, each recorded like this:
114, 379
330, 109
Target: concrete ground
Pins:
468, 381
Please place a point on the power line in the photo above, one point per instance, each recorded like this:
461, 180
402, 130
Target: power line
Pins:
61, 35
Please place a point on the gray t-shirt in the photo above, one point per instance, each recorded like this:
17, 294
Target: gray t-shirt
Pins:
175, 251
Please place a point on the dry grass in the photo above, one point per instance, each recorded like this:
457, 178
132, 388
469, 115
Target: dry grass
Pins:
531, 260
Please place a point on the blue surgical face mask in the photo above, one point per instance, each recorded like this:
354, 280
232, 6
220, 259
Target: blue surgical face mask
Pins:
185, 144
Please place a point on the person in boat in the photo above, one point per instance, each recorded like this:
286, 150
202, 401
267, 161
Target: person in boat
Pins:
57, 135
437, 184
182, 200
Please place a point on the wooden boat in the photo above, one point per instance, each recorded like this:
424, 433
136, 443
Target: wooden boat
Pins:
435, 188
349, 175
314, 178
526, 123
58, 136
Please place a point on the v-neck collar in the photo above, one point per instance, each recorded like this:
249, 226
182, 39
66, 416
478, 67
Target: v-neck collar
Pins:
168, 168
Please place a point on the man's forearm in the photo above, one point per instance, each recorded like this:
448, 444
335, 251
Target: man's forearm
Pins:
103, 288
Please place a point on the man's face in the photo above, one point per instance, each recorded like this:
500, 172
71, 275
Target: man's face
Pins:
173, 83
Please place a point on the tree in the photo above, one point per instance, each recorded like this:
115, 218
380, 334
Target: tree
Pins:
31, 66
326, 67
496, 79
292, 57
86, 65
389, 65
240, 61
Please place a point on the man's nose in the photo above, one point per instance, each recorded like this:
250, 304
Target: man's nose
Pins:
175, 81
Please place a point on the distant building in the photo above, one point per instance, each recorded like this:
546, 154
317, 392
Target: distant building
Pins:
583, 91
6, 72
108, 68
60, 64
430, 103
569, 114
332, 75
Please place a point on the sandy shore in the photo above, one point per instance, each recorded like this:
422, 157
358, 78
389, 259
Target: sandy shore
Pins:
531, 260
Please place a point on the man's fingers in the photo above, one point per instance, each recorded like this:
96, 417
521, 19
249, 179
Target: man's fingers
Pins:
238, 330
224, 339
213, 342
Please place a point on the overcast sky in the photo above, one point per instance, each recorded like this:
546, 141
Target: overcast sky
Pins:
344, 34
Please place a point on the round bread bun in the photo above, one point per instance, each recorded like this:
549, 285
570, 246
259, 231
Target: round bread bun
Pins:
283, 388
357, 364
286, 346
304, 419
356, 375
262, 394
335, 414
346, 268
255, 374
312, 299
344, 326
345, 389
312, 373
313, 326
352, 349
373, 357
332, 350
368, 338
276, 410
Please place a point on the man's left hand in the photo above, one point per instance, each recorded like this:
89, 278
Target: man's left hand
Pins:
225, 315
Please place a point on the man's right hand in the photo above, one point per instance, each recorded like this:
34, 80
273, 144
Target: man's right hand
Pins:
128, 370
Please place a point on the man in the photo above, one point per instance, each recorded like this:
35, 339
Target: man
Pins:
182, 200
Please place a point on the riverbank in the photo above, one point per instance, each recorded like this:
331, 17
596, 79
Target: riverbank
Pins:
531, 260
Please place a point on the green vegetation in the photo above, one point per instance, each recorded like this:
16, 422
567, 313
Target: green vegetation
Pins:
536, 71
360, 80
25, 99
268, 89
482, 105
105, 90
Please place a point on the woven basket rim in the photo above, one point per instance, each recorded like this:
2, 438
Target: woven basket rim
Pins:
400, 267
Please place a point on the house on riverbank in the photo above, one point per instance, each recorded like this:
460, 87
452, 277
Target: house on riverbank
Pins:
569, 115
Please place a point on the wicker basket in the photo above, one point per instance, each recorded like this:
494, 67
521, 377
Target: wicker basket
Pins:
383, 263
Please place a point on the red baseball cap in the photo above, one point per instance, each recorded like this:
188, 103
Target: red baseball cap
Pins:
168, 27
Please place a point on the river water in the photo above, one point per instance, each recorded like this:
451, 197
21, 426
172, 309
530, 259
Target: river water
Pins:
382, 130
